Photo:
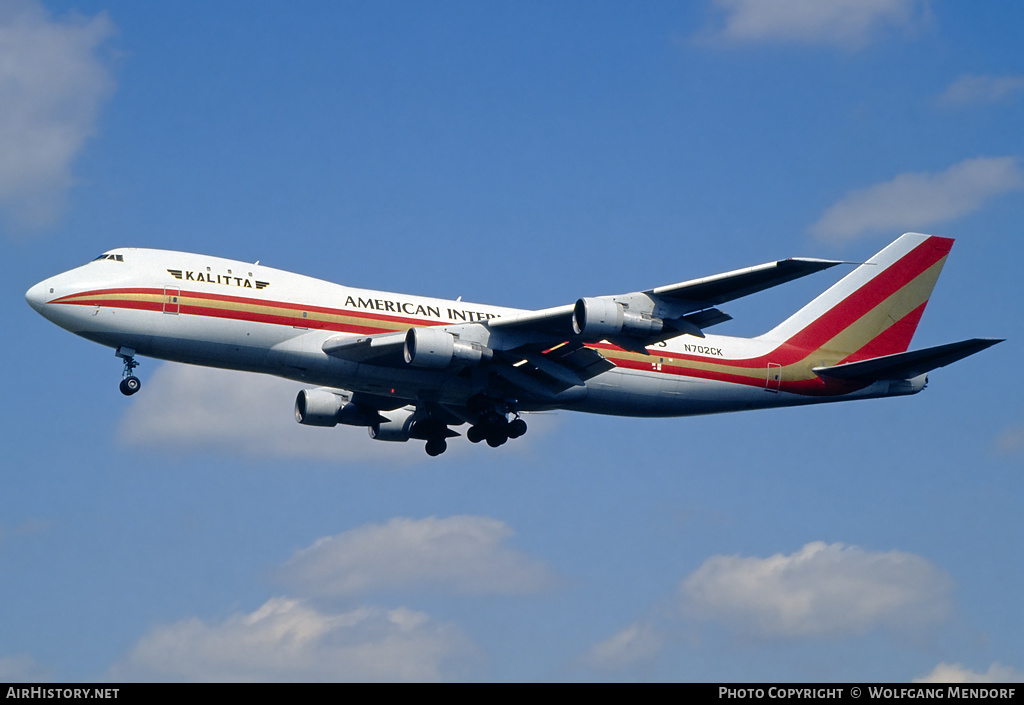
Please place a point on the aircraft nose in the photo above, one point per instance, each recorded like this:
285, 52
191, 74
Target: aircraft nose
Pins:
36, 296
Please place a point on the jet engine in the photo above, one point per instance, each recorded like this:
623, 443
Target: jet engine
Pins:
398, 426
437, 349
327, 407
597, 319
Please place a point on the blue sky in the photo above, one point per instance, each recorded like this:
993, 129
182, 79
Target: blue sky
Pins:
522, 154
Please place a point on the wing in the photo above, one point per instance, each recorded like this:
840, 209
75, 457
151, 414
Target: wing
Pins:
721, 288
542, 353
643, 318
542, 372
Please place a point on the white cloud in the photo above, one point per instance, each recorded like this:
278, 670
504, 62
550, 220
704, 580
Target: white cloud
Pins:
465, 554
52, 84
186, 408
914, 201
970, 89
287, 640
848, 23
955, 673
822, 590
190, 408
638, 643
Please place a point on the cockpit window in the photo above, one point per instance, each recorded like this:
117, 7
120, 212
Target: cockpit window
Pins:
116, 258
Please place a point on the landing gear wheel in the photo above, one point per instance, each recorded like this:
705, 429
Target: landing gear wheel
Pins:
129, 382
130, 385
497, 437
475, 434
436, 446
516, 428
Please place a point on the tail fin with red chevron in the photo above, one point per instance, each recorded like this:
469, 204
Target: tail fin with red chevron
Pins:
863, 325
875, 309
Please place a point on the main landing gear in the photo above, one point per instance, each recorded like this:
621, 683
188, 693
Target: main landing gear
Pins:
130, 384
436, 433
436, 446
494, 427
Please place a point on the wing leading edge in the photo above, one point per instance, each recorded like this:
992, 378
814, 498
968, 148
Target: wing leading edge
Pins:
720, 288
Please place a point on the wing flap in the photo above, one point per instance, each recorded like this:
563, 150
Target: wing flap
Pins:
584, 362
539, 387
553, 370
906, 365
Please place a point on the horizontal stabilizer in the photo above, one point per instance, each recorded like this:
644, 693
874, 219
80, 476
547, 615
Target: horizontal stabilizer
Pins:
906, 365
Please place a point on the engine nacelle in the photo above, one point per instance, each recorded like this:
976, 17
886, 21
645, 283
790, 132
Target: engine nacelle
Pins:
597, 319
398, 426
437, 350
318, 407
324, 407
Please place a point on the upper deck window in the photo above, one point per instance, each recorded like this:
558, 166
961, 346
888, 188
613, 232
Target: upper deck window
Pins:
116, 258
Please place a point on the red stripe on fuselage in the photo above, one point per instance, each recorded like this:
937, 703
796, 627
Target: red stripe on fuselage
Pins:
217, 312
292, 321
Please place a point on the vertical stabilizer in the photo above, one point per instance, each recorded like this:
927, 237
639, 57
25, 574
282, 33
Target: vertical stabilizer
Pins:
875, 309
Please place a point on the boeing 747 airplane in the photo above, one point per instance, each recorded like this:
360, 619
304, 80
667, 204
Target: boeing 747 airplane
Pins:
413, 367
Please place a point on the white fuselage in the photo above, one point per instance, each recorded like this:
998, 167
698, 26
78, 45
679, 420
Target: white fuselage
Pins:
216, 312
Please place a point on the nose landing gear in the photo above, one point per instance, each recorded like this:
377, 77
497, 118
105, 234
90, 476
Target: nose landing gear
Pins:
130, 384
